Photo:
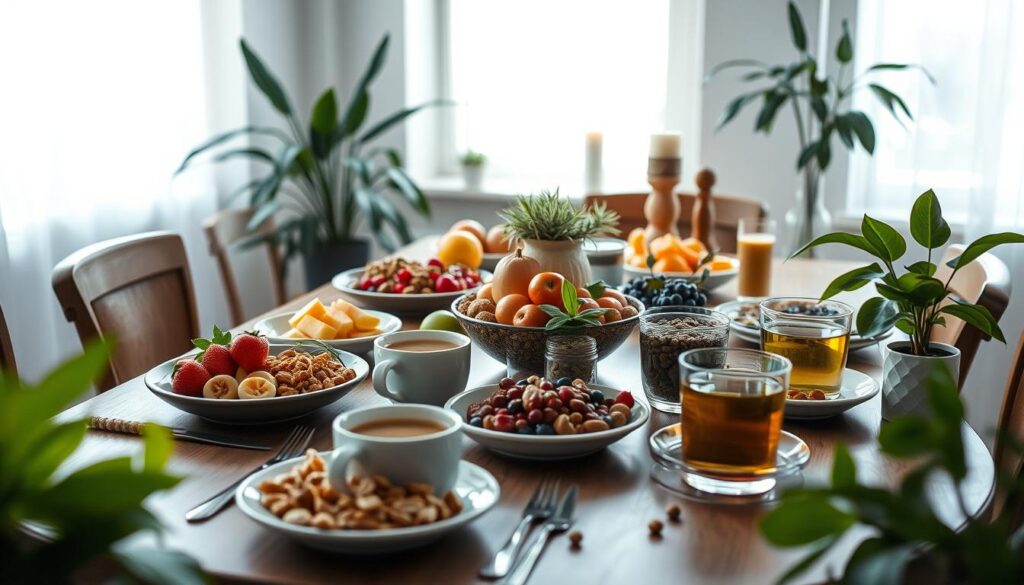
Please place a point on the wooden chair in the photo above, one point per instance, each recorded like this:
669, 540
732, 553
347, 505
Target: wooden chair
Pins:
986, 281
224, 232
728, 211
1009, 458
137, 289
6, 347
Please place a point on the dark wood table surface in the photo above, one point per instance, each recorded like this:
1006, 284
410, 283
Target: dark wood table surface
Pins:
712, 544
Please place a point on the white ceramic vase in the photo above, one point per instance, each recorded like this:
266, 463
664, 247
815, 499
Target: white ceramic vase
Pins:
473, 176
565, 257
904, 377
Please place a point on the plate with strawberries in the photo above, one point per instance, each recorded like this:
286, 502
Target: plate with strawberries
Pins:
244, 379
407, 287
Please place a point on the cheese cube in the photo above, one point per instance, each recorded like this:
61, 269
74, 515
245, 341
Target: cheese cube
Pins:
293, 334
355, 334
363, 321
313, 308
315, 329
339, 320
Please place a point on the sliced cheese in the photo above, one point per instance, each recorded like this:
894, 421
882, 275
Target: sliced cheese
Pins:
363, 321
315, 329
356, 334
313, 308
293, 334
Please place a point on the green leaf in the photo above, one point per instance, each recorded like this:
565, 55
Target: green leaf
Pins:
409, 190
394, 219
52, 447
819, 107
552, 310
922, 291
264, 80
847, 239
906, 325
943, 396
844, 50
876, 562
396, 118
556, 323
593, 313
923, 268
982, 245
355, 114
650, 263
806, 155
158, 566
977, 316
824, 153
900, 66
893, 293
803, 519
845, 130
224, 137
221, 337
886, 240
772, 102
262, 214
927, 225
376, 63
121, 487
256, 153
906, 437
891, 101
323, 123
158, 446
876, 316
569, 299
819, 549
596, 289
844, 469
796, 28
733, 108
853, 280
733, 63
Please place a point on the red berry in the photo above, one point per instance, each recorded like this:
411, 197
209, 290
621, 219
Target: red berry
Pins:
535, 416
506, 383
398, 288
365, 284
250, 351
546, 385
473, 278
565, 394
377, 280
504, 423
435, 262
446, 283
189, 377
217, 360
403, 275
514, 393
626, 398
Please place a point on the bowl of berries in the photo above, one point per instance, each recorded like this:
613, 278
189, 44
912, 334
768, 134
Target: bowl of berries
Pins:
665, 291
407, 287
541, 419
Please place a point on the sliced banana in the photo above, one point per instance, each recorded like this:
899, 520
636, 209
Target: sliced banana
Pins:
263, 374
221, 387
256, 387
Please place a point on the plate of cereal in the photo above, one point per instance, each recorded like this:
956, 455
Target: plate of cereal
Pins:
562, 419
298, 378
407, 287
857, 387
389, 518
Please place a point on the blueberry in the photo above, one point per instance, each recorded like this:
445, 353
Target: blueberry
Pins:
515, 406
596, 396
702, 299
677, 299
476, 421
523, 383
545, 429
607, 420
563, 381
527, 430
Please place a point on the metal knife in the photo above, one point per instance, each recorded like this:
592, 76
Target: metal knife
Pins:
128, 427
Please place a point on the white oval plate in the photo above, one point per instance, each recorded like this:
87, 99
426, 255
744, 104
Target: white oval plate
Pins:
477, 489
715, 279
857, 387
276, 325
543, 447
257, 410
752, 333
420, 304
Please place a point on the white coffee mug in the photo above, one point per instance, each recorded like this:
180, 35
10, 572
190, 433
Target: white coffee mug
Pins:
432, 458
423, 377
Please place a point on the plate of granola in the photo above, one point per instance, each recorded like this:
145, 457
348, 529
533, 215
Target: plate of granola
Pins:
370, 515
298, 378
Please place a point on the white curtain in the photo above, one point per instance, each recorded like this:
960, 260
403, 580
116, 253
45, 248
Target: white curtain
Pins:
100, 102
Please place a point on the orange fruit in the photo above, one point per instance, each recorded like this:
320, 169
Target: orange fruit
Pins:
671, 264
666, 245
694, 244
636, 241
471, 226
485, 292
717, 264
614, 294
460, 247
582, 292
508, 306
494, 243
530, 316
609, 303
638, 261
546, 289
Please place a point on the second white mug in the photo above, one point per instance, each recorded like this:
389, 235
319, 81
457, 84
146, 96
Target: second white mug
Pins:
424, 367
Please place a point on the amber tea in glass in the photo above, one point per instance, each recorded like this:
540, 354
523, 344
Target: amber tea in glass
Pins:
814, 336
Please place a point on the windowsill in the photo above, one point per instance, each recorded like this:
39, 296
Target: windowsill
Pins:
453, 188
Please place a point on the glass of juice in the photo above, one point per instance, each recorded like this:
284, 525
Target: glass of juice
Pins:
814, 335
731, 422
755, 239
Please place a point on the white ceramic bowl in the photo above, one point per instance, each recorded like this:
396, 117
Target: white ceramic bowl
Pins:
476, 487
857, 387
277, 325
401, 304
257, 410
715, 279
544, 447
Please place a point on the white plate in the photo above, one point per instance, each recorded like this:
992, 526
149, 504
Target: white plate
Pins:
419, 304
476, 487
491, 259
277, 325
857, 387
543, 447
752, 333
257, 410
715, 279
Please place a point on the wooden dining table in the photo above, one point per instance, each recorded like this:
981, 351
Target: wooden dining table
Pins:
712, 543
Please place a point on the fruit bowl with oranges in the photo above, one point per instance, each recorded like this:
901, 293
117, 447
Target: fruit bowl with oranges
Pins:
677, 257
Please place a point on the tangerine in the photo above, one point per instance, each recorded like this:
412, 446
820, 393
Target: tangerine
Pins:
460, 247
546, 289
471, 226
530, 316
508, 306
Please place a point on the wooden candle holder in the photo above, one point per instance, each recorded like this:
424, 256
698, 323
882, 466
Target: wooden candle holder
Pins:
662, 206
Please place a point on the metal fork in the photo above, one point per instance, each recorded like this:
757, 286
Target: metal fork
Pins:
560, 522
540, 507
294, 445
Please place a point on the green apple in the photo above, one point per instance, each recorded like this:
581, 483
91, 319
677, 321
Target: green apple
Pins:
442, 321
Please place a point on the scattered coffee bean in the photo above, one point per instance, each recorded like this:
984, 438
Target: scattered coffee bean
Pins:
575, 538
673, 512
655, 527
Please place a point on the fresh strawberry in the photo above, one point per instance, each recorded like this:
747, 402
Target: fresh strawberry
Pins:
250, 350
189, 377
217, 360
626, 398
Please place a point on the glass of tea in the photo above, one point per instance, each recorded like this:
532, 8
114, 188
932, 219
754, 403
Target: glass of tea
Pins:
755, 240
731, 422
814, 335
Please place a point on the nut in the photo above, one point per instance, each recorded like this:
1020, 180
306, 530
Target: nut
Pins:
618, 419
480, 305
620, 408
487, 316
673, 512
563, 426
575, 537
655, 527
595, 426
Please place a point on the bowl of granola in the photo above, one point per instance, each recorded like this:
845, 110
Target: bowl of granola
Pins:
303, 378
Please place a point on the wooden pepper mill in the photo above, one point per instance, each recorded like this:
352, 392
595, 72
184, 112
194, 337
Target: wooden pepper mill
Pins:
662, 205
703, 217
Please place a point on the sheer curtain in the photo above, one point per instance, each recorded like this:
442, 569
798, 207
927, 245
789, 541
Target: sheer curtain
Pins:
101, 100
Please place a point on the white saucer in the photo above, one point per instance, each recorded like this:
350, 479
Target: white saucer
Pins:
752, 333
476, 487
277, 325
857, 387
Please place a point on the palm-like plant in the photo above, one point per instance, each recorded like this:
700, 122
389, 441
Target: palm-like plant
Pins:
325, 179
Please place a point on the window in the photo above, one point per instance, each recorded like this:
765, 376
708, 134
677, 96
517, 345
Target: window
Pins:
532, 77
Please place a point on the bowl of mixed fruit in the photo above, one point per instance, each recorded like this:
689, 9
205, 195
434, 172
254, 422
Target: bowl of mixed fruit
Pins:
398, 285
678, 258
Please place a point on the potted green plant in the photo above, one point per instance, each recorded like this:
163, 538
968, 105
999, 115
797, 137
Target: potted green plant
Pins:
473, 169
821, 110
914, 301
323, 180
911, 543
552, 231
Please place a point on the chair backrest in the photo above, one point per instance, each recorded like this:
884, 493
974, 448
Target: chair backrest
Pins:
137, 289
1008, 458
985, 281
225, 231
728, 212
6, 347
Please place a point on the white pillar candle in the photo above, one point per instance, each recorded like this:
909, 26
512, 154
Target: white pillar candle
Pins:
666, 145
593, 166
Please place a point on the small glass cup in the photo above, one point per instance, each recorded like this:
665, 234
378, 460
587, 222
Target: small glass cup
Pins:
606, 257
665, 332
755, 240
814, 335
736, 359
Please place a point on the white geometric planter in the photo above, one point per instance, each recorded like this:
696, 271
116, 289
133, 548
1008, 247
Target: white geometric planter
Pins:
473, 176
904, 377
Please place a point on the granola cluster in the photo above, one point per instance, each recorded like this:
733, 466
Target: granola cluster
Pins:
299, 372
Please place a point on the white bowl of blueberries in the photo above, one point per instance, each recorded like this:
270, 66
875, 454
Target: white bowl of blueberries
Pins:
662, 291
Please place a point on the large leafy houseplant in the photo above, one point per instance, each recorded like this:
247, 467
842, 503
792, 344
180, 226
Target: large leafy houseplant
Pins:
911, 543
324, 177
820, 105
84, 514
